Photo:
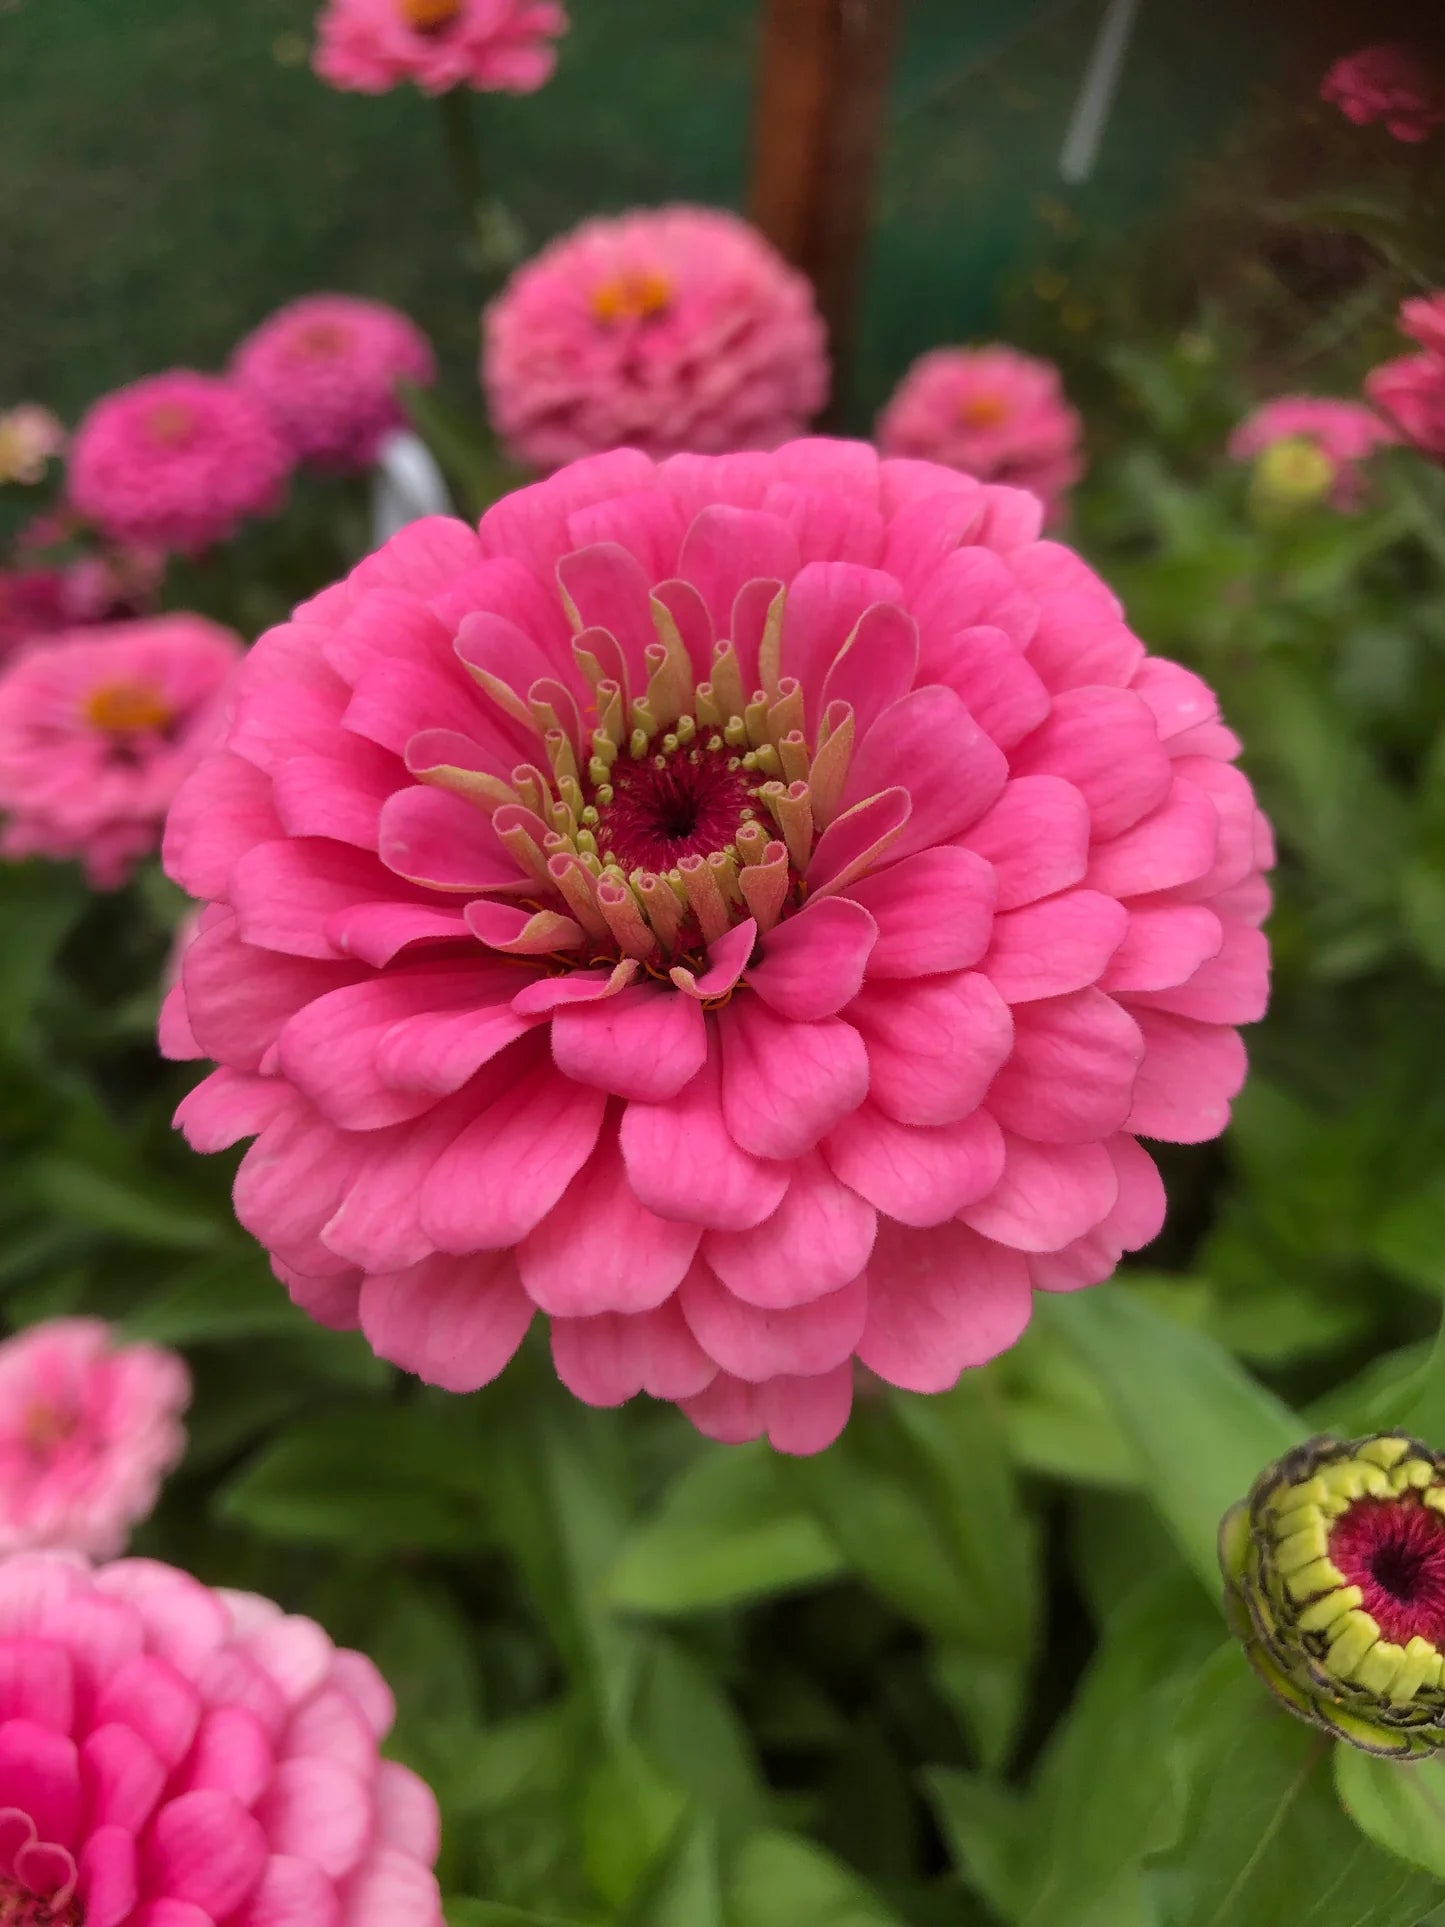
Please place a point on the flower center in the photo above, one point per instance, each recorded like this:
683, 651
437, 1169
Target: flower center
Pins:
170, 422
127, 708
320, 338
1295, 469
1394, 1551
691, 802
636, 294
428, 16
19, 1907
983, 411
45, 1427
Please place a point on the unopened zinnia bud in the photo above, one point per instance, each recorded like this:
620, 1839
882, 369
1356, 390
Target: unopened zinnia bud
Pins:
1335, 1581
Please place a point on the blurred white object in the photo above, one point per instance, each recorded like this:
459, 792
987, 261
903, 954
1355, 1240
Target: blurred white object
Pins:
407, 485
1096, 96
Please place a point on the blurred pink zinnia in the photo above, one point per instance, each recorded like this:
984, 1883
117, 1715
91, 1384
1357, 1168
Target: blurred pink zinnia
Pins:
326, 369
88, 1429
496, 46
1388, 82
1344, 432
1410, 391
992, 413
666, 330
176, 462
97, 729
178, 1757
29, 436
747, 909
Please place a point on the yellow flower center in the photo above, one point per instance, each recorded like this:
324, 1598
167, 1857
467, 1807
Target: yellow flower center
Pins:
126, 708
428, 16
1294, 472
170, 422
634, 295
983, 411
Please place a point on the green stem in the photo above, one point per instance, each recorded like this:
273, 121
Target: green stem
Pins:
496, 241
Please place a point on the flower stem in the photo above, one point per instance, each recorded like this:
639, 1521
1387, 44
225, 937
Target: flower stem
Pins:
496, 240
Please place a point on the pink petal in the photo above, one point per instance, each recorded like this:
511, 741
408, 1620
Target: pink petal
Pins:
755, 1344
646, 1042
231, 1753
816, 1241
169, 1913
291, 1893
876, 666
940, 1301
727, 547
1105, 743
610, 1358
934, 1045
920, 1176
825, 603
375, 933
683, 1162
317, 1811
970, 588
107, 1876
36, 1683
152, 1699
406, 1812
856, 841
1036, 836
432, 837
206, 1849
454, 1322
1175, 843
798, 1415
602, 1250
1163, 946
1231, 987
440, 1050
333, 1727
40, 1774
1189, 1074
330, 1050
284, 893
647, 523
785, 1084
339, 793
1072, 1071
1048, 1194
812, 964
518, 931
934, 912
392, 1890
999, 687
1061, 944
221, 810
1179, 699
607, 588
929, 745
238, 999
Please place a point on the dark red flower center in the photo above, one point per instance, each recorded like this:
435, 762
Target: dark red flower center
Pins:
664, 808
1394, 1551
20, 1907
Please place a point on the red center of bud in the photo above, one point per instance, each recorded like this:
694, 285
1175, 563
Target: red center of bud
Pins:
170, 423
19, 1907
320, 338
665, 808
1394, 1551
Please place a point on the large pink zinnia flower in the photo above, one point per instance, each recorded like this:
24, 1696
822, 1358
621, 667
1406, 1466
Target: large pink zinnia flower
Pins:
1344, 432
88, 1429
1387, 82
497, 46
326, 369
666, 330
172, 1756
176, 462
97, 729
993, 413
747, 909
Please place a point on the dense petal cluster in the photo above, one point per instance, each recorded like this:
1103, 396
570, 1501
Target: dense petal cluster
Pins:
326, 370
1388, 83
89, 1427
495, 46
1343, 433
668, 330
747, 908
98, 728
1335, 1580
1410, 391
176, 462
177, 1757
29, 437
991, 412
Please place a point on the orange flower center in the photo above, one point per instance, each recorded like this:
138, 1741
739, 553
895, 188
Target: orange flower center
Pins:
126, 708
428, 16
983, 411
634, 295
321, 338
170, 422
46, 1426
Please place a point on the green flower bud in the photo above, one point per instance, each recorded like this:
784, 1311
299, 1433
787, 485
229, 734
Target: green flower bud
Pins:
1334, 1572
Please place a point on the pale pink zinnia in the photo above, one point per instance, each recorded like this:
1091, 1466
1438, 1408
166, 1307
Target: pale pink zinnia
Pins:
1390, 83
747, 908
89, 1427
993, 413
666, 330
97, 729
176, 462
174, 1756
1345, 433
29, 437
495, 46
326, 369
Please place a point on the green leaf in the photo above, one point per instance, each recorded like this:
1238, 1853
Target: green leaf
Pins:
490, 1913
630, 1815
222, 1298
727, 1530
1401, 1808
779, 1880
1410, 1236
147, 1216
987, 1828
684, 1887
1201, 1428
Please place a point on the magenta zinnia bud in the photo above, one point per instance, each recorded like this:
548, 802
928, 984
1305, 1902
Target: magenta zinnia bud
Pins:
748, 909
667, 330
176, 462
990, 412
1335, 1576
1309, 448
326, 370
174, 1756
494, 46
1388, 83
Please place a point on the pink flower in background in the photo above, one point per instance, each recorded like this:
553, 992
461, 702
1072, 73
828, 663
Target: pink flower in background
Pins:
29, 437
1388, 82
1423, 319
1345, 432
1410, 392
497, 46
992, 413
326, 370
89, 1427
748, 909
181, 1757
33, 603
176, 462
97, 729
666, 330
